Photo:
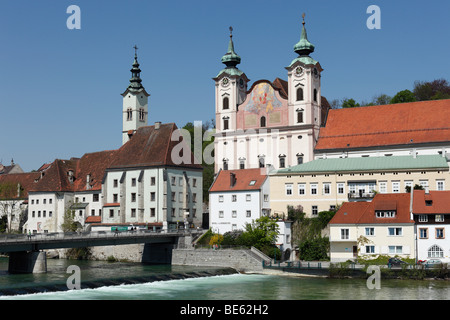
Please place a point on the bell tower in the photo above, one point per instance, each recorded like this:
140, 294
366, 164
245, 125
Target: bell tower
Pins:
135, 103
304, 75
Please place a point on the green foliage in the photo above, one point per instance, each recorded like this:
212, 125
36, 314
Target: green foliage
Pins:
79, 253
69, 224
431, 90
315, 249
350, 103
404, 96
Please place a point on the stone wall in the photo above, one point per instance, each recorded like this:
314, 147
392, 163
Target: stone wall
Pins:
241, 260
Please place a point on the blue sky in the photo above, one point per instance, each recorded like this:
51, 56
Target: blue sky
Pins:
60, 88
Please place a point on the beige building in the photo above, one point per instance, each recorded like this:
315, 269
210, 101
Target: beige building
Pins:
324, 184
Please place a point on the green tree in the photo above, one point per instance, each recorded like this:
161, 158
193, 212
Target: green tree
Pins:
69, 223
431, 90
350, 103
403, 96
260, 233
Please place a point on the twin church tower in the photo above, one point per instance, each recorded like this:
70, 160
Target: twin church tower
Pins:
271, 124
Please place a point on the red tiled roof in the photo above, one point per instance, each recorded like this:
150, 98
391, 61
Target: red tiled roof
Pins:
243, 178
396, 124
440, 202
151, 147
114, 204
364, 212
93, 219
26, 181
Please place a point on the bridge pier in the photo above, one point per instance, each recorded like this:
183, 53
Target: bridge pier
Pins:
27, 262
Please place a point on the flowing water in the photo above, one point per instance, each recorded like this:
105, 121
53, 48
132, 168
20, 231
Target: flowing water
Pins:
134, 281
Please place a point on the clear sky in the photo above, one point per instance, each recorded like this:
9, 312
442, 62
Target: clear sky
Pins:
60, 89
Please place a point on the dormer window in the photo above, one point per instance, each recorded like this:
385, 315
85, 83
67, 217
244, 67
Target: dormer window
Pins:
428, 203
385, 214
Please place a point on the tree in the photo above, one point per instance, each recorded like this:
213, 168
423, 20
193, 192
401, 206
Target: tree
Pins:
434, 90
350, 103
260, 233
69, 223
10, 200
403, 96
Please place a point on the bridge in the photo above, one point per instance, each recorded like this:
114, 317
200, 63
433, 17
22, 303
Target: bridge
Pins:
26, 253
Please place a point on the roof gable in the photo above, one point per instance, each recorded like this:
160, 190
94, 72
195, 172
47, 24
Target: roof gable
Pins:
438, 202
244, 179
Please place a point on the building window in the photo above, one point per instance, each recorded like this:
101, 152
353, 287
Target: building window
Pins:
435, 252
266, 198
133, 182
173, 212
173, 181
221, 198
370, 231
248, 214
423, 233
282, 162
299, 117
263, 121
152, 181
288, 188
225, 164
313, 187
233, 198
248, 197
133, 197
220, 214
152, 212
423, 218
133, 213
440, 186
326, 188
194, 182
111, 213
95, 198
141, 114
440, 233
385, 214
301, 188
300, 94
395, 249
152, 196
395, 186
241, 164
345, 234
314, 211
129, 114
439, 218
370, 249
234, 214
115, 183
115, 197
315, 95
341, 188
225, 124
261, 161
395, 232
383, 187
225, 103
299, 159
173, 197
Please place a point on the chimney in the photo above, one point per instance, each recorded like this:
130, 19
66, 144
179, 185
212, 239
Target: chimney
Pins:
232, 179
88, 181
157, 125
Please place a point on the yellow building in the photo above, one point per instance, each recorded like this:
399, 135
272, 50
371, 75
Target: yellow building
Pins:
324, 184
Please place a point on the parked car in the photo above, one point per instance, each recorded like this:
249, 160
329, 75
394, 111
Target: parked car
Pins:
433, 263
396, 262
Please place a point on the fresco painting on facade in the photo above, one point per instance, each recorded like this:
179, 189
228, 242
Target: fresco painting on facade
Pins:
262, 99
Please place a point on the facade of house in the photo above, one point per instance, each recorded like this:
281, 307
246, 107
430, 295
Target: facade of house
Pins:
324, 184
238, 197
383, 226
431, 211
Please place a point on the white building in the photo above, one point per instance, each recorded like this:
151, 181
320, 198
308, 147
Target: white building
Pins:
431, 211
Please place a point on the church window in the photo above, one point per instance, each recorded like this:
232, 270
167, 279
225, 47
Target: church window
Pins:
225, 103
315, 95
241, 164
261, 161
299, 117
129, 114
225, 164
225, 124
263, 121
282, 162
300, 94
141, 114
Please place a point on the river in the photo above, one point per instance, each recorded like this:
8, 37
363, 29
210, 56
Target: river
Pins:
164, 282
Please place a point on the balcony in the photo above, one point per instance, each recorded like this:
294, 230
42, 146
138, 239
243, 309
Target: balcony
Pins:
361, 195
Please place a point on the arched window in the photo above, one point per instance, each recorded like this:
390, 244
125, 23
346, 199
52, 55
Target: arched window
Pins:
299, 117
129, 114
299, 94
435, 252
225, 124
225, 103
263, 121
261, 161
315, 95
141, 114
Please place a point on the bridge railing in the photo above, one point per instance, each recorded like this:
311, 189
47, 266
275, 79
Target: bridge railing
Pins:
83, 235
